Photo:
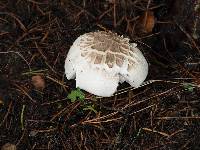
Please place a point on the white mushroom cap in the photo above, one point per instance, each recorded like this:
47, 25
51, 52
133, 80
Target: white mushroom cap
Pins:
100, 60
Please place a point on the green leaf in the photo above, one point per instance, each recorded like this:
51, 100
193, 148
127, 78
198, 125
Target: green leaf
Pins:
76, 95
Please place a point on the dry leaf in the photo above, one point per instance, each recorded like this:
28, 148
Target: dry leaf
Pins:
8, 146
147, 21
1, 101
38, 82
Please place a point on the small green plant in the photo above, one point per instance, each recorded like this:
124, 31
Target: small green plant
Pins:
76, 95
188, 86
91, 108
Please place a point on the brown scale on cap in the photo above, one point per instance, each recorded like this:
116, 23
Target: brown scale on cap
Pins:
110, 59
119, 60
98, 59
108, 45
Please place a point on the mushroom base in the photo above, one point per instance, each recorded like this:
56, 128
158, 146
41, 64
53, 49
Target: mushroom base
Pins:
96, 81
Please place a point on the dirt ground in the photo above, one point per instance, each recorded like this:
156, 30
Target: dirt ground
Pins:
35, 111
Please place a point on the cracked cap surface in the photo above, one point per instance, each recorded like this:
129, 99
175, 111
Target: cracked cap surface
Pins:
107, 48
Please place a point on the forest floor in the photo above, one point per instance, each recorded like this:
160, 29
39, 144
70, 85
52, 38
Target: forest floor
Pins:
35, 110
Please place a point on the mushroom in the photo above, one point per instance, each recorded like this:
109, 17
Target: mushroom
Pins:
100, 60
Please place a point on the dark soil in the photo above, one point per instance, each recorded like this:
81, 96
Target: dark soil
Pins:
35, 36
